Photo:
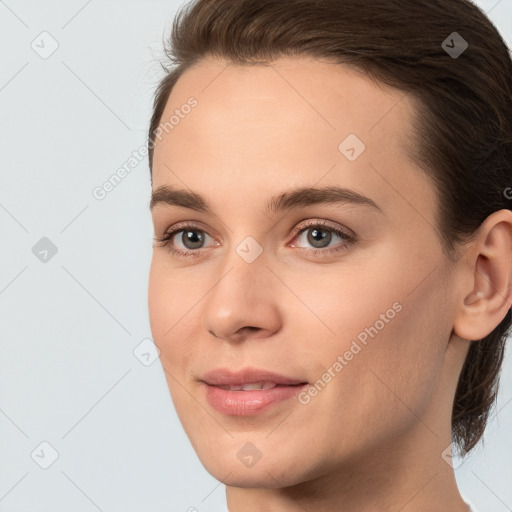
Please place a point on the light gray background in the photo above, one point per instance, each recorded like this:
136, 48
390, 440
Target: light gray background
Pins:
69, 326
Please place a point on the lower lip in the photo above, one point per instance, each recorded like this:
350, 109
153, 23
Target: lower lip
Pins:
248, 403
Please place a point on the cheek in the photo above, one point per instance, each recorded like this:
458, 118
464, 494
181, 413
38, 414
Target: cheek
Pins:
158, 301
393, 299
390, 324
171, 302
170, 306
392, 380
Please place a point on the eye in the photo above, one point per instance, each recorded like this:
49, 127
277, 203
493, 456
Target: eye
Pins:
320, 234
192, 238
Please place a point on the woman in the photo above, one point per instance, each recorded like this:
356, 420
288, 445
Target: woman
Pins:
331, 281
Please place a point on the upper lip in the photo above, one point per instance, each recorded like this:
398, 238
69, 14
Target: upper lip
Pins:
227, 377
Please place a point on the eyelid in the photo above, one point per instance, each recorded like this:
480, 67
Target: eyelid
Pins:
328, 225
172, 231
300, 227
191, 225
349, 238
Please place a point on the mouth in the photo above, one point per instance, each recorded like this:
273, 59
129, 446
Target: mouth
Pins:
248, 391
248, 379
252, 386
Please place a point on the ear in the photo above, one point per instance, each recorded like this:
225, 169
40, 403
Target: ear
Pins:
486, 282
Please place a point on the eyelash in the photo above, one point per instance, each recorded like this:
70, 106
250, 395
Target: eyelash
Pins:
348, 239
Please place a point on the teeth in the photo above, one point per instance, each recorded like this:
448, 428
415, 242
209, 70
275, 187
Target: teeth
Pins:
250, 386
259, 385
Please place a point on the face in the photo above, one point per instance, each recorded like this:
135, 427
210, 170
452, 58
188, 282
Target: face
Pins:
341, 297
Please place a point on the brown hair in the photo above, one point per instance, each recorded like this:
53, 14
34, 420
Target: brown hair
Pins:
463, 125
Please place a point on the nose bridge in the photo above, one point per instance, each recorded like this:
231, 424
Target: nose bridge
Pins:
240, 298
244, 267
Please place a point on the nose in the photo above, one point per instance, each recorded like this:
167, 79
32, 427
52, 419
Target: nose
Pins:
244, 302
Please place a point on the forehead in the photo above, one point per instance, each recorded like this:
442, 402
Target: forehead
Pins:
281, 125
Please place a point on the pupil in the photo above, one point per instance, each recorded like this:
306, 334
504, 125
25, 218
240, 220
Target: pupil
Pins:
325, 236
189, 237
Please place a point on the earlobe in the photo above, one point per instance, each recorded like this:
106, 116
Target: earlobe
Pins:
488, 294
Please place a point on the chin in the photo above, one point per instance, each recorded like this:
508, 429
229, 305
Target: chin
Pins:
267, 472
271, 478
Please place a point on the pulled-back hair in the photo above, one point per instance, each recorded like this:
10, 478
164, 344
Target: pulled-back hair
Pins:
462, 127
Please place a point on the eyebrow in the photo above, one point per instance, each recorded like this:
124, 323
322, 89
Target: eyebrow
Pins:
294, 198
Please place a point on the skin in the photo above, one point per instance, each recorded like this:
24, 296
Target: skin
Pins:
373, 437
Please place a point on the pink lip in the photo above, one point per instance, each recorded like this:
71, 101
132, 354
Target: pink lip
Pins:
226, 377
247, 403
